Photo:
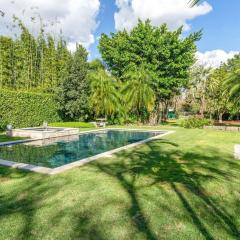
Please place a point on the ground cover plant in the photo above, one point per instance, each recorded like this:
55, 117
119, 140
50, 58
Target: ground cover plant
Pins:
195, 122
184, 186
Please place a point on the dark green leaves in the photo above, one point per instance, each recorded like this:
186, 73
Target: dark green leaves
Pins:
164, 53
24, 109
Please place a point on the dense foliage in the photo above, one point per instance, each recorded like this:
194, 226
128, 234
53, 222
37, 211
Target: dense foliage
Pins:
137, 91
105, 98
43, 63
215, 92
218, 98
74, 91
144, 72
25, 109
232, 82
195, 122
165, 54
28, 62
198, 89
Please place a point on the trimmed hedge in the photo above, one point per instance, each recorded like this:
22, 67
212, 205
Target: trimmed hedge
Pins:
72, 124
25, 109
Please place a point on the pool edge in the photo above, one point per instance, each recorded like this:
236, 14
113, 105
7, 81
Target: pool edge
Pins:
78, 163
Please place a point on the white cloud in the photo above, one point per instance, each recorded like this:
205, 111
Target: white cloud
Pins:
76, 18
173, 12
214, 58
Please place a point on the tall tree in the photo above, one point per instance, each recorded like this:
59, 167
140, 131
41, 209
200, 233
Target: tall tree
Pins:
63, 56
26, 53
6, 61
198, 87
165, 54
50, 65
74, 91
32, 62
217, 95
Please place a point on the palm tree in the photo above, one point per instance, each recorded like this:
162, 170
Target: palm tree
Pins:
194, 2
233, 84
104, 98
137, 91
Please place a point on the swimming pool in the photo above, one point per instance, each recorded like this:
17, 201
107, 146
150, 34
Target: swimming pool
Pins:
83, 147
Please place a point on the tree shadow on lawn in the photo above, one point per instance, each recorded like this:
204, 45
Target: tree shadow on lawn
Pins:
186, 174
156, 164
32, 195
25, 198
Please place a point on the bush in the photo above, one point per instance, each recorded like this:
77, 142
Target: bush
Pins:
195, 122
25, 109
72, 124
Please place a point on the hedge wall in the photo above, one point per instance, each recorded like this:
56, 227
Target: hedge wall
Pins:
25, 109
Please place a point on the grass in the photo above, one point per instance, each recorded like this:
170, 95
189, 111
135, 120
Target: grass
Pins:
72, 124
5, 138
184, 186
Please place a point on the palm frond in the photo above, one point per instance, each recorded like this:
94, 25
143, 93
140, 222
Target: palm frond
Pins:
194, 2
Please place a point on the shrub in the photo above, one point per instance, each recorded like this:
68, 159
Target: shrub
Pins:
195, 122
25, 109
72, 124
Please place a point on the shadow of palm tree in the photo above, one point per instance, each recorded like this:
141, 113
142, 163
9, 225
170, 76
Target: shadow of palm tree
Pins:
183, 172
25, 199
159, 164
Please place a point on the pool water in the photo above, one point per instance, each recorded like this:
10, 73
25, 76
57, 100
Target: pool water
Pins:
63, 152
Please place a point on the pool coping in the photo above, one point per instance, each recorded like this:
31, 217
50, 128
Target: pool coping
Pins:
81, 162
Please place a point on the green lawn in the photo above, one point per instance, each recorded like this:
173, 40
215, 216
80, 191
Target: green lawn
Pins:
185, 186
5, 138
83, 125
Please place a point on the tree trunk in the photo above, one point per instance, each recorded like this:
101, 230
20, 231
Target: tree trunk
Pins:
220, 117
202, 107
165, 111
152, 118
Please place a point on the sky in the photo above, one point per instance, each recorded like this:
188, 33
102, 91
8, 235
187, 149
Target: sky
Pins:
83, 21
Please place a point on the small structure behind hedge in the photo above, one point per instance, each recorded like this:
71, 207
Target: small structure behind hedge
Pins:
25, 109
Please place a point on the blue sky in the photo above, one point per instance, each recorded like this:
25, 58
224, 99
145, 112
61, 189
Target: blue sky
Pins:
83, 21
221, 26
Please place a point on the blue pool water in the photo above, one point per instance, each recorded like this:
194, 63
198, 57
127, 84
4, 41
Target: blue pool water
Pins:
69, 150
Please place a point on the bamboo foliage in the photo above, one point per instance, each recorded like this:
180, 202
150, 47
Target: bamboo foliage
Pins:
29, 62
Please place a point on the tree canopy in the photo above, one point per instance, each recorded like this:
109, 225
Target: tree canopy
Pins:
217, 95
33, 63
74, 91
164, 53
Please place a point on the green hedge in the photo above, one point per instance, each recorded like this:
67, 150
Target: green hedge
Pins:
25, 109
72, 124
